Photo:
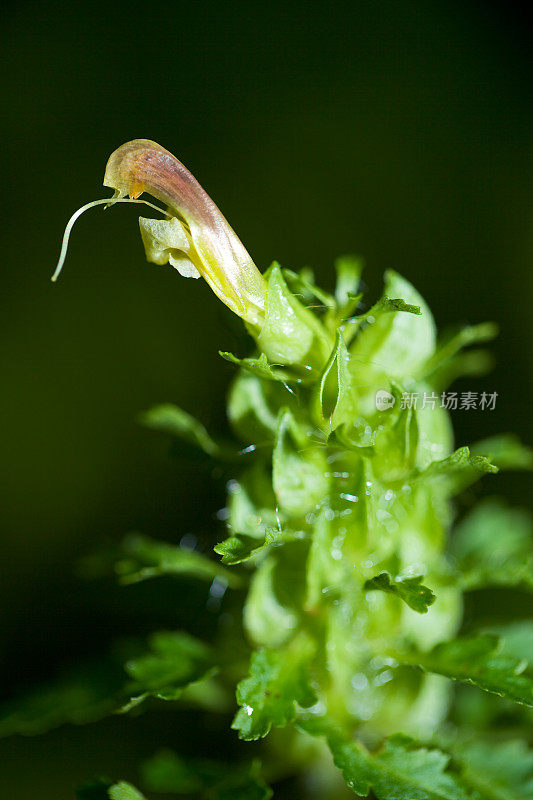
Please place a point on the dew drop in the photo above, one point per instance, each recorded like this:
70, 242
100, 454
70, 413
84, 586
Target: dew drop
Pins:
383, 677
188, 541
359, 682
351, 498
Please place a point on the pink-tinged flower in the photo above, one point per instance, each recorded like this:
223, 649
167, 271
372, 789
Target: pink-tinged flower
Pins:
197, 239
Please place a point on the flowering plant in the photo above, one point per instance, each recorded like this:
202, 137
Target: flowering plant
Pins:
342, 633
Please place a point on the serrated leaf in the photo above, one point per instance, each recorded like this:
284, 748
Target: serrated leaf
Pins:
163, 669
124, 791
479, 660
410, 590
492, 547
386, 305
142, 558
335, 399
456, 471
396, 304
506, 451
278, 680
299, 468
239, 548
260, 367
169, 773
169, 418
459, 461
174, 660
497, 770
400, 770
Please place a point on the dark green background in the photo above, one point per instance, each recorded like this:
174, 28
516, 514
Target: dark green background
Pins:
398, 130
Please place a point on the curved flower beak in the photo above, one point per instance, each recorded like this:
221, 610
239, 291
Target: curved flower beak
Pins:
197, 239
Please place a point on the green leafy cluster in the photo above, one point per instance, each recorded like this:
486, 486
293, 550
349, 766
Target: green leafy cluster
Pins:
342, 559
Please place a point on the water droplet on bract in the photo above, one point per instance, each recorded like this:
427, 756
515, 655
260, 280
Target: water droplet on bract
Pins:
383, 677
359, 682
188, 541
218, 588
521, 667
351, 498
